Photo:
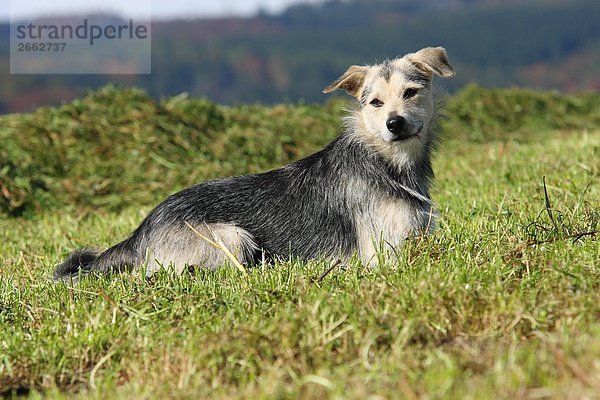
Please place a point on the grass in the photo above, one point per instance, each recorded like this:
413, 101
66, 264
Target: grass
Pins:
503, 301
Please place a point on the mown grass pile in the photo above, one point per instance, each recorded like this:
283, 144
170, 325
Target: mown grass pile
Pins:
503, 301
119, 147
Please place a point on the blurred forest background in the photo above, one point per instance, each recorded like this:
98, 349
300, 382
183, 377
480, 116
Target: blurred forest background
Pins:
291, 56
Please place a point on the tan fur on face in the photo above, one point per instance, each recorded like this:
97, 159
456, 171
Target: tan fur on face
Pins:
387, 83
417, 110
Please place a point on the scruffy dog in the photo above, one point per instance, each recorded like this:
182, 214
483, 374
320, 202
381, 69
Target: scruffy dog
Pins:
365, 191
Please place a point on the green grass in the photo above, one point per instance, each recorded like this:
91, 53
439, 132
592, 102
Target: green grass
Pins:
503, 301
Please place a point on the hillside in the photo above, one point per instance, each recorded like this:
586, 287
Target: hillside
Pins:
117, 146
292, 56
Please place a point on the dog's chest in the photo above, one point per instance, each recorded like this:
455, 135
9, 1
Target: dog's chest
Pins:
386, 222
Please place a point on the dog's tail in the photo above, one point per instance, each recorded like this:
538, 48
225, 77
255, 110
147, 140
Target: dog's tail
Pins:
121, 257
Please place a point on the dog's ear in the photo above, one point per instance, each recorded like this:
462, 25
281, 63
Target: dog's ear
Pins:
351, 81
432, 60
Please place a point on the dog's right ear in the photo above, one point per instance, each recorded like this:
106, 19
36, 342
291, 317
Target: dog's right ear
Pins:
351, 81
432, 60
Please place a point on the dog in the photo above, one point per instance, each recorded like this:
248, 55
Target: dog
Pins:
365, 191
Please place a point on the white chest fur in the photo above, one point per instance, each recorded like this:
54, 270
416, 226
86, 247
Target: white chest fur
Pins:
385, 222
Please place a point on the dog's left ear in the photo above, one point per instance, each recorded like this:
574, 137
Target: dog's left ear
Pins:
351, 81
432, 60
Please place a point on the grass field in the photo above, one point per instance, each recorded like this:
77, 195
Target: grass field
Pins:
503, 301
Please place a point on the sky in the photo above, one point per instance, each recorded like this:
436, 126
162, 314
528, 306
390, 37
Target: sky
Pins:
157, 9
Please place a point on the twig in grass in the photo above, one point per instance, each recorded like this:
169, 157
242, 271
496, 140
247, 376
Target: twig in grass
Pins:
578, 236
571, 365
407, 391
27, 268
218, 243
72, 309
529, 243
429, 220
575, 236
30, 313
107, 298
548, 205
328, 270
100, 362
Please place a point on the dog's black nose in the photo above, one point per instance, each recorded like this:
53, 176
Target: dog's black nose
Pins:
395, 124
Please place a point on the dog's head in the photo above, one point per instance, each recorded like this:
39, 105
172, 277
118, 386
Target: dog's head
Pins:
395, 98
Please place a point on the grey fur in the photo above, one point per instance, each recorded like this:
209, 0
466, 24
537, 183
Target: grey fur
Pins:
335, 203
386, 70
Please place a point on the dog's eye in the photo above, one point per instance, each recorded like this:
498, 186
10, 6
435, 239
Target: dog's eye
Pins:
408, 93
376, 103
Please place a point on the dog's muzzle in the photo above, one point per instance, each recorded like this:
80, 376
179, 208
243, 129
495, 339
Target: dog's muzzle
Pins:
399, 128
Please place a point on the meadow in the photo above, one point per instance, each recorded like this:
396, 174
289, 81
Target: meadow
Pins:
502, 301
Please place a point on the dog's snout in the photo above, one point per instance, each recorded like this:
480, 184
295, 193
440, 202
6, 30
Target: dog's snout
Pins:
395, 124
